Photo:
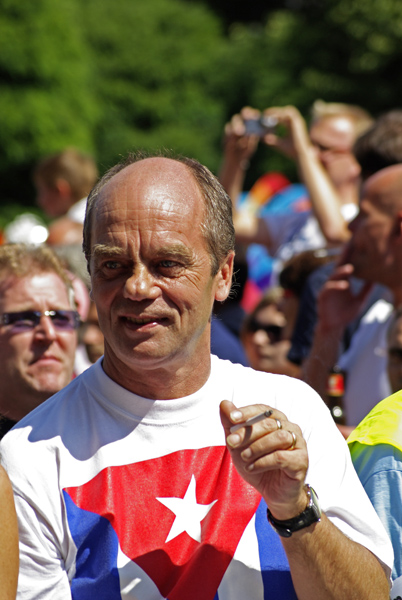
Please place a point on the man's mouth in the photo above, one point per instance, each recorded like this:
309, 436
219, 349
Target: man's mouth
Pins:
46, 359
137, 321
143, 322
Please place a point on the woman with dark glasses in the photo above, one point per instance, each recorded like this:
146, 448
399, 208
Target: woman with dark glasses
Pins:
264, 336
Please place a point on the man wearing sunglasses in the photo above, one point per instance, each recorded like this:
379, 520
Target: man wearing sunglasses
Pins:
38, 330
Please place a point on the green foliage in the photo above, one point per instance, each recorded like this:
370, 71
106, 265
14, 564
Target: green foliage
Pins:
349, 51
109, 77
154, 76
45, 101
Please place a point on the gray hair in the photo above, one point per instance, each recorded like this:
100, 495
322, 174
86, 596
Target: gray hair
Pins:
217, 226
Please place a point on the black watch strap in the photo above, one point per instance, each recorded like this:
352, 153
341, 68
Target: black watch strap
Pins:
312, 514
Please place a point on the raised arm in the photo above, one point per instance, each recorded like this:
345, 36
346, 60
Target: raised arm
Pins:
324, 563
238, 150
337, 306
325, 198
9, 561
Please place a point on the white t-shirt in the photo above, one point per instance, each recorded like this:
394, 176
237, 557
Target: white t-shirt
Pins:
120, 496
365, 363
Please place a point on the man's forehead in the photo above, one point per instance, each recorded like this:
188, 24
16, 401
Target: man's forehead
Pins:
153, 171
10, 281
335, 124
153, 195
385, 183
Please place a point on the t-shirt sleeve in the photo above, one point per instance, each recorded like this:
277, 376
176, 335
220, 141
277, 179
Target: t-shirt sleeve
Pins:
40, 561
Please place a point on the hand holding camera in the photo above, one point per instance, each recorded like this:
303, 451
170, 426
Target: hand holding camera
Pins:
262, 126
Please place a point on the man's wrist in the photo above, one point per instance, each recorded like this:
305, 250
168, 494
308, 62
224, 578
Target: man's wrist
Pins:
309, 516
283, 512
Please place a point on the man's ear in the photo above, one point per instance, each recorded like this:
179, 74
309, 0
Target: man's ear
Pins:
63, 187
224, 278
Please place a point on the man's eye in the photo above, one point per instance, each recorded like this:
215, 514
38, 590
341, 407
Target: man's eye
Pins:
168, 264
112, 264
23, 323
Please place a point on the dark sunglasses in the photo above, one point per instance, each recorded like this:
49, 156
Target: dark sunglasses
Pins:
25, 320
273, 331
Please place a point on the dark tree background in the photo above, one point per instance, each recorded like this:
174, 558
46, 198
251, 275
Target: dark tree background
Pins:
109, 77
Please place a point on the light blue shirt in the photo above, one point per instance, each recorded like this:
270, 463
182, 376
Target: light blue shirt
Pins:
380, 471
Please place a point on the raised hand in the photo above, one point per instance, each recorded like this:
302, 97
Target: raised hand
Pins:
271, 455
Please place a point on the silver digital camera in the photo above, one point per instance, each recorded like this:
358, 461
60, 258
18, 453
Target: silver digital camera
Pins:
261, 126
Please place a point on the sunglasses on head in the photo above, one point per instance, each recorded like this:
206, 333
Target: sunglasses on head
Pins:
273, 331
25, 320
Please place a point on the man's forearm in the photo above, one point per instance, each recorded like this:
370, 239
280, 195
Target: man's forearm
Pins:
323, 356
324, 198
325, 564
232, 175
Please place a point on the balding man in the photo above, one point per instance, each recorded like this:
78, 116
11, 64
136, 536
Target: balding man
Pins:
373, 254
136, 487
376, 443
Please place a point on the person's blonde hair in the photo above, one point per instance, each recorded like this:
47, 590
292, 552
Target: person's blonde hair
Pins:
361, 119
25, 260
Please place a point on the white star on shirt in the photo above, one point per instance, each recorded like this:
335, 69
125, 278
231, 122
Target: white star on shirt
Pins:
189, 513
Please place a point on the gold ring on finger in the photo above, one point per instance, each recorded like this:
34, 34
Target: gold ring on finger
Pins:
278, 424
293, 444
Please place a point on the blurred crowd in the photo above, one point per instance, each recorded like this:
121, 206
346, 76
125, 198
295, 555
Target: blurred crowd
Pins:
323, 275
317, 288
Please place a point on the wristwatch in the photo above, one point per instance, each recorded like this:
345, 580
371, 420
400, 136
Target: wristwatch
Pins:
312, 514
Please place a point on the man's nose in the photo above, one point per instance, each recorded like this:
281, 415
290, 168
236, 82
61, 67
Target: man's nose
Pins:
261, 337
141, 284
46, 329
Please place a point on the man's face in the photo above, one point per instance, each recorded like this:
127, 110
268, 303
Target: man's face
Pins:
54, 200
394, 365
333, 139
374, 249
35, 363
151, 271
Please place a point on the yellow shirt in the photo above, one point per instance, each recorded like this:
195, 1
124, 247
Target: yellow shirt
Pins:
383, 424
